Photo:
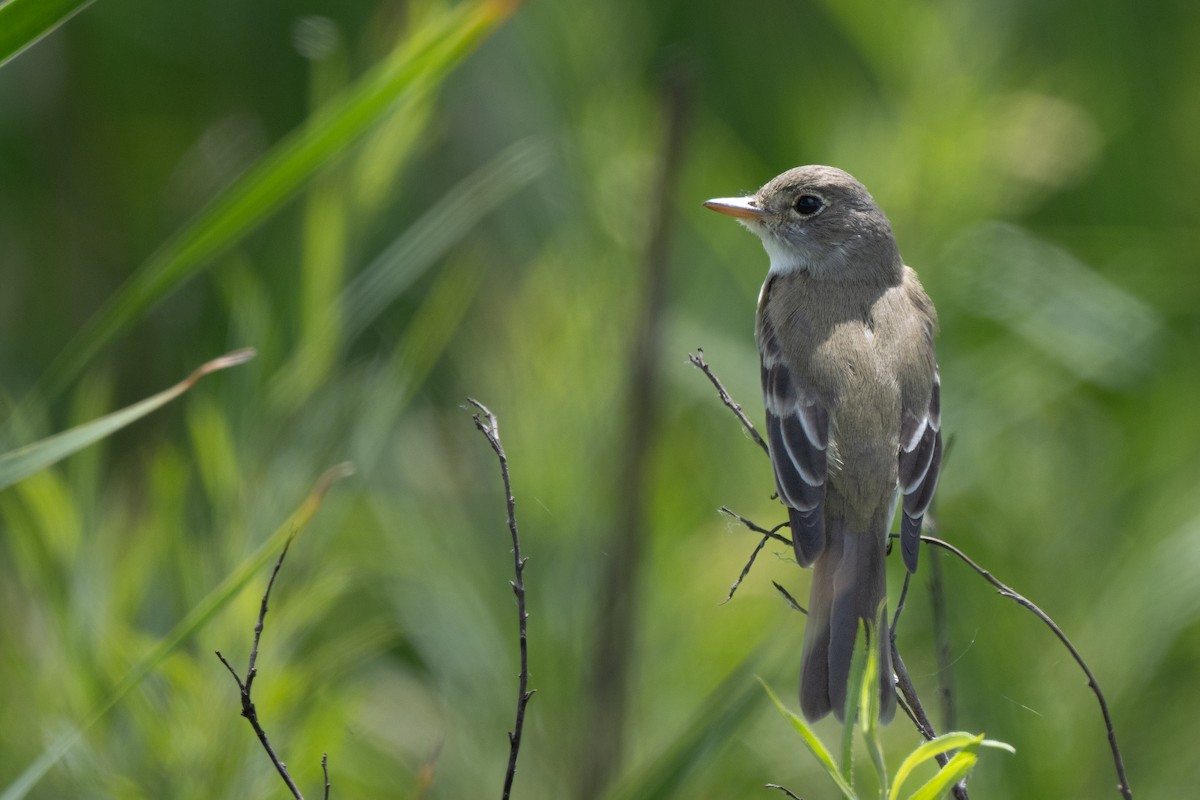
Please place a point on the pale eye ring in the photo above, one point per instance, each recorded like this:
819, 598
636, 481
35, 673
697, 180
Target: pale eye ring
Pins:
808, 204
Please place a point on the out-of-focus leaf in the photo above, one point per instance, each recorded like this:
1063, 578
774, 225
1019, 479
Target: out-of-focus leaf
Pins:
27, 460
217, 599
410, 255
416, 67
725, 709
1090, 326
24, 22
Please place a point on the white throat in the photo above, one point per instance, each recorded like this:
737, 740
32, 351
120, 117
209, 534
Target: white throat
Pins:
784, 259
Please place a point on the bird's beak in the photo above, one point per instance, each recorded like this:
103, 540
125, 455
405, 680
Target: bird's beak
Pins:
740, 207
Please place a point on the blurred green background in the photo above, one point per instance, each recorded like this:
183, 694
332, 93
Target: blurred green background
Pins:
470, 215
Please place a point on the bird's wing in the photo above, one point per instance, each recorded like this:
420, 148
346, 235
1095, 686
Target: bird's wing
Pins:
920, 461
798, 437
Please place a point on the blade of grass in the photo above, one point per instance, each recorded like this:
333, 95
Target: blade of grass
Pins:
854, 692
24, 22
812, 742
27, 460
869, 710
431, 236
725, 709
414, 69
195, 619
323, 258
415, 251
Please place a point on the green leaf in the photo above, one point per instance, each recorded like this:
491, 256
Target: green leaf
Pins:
195, 619
438, 229
954, 771
25, 461
24, 22
934, 747
812, 742
854, 693
411, 72
869, 709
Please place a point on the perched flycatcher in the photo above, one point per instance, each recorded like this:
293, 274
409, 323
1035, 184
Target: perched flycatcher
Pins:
850, 384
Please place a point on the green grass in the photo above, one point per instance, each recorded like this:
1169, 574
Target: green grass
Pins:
402, 205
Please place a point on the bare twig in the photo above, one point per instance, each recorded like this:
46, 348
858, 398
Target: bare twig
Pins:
1017, 597
746, 569
771, 534
246, 686
698, 361
788, 792
791, 601
900, 602
325, 772
490, 428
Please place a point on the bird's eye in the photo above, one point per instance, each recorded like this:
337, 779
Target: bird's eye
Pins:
808, 204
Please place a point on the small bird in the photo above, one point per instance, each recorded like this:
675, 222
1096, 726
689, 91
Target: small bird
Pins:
850, 383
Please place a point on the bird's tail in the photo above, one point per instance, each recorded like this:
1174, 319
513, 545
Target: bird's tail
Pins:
849, 584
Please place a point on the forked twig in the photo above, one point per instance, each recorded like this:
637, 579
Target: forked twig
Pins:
486, 422
246, 686
766, 535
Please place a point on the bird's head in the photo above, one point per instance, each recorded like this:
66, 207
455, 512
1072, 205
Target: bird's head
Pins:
818, 220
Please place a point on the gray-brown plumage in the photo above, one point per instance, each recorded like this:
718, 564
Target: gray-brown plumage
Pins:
850, 383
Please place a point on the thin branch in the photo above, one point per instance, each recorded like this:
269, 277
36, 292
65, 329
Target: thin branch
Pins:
791, 601
900, 602
698, 361
246, 686
773, 533
909, 713
491, 429
788, 792
767, 535
325, 772
1017, 597
746, 569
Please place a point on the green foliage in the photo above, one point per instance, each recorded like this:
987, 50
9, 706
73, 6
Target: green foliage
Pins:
24, 22
862, 713
402, 205
32, 458
840, 776
186, 628
401, 80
